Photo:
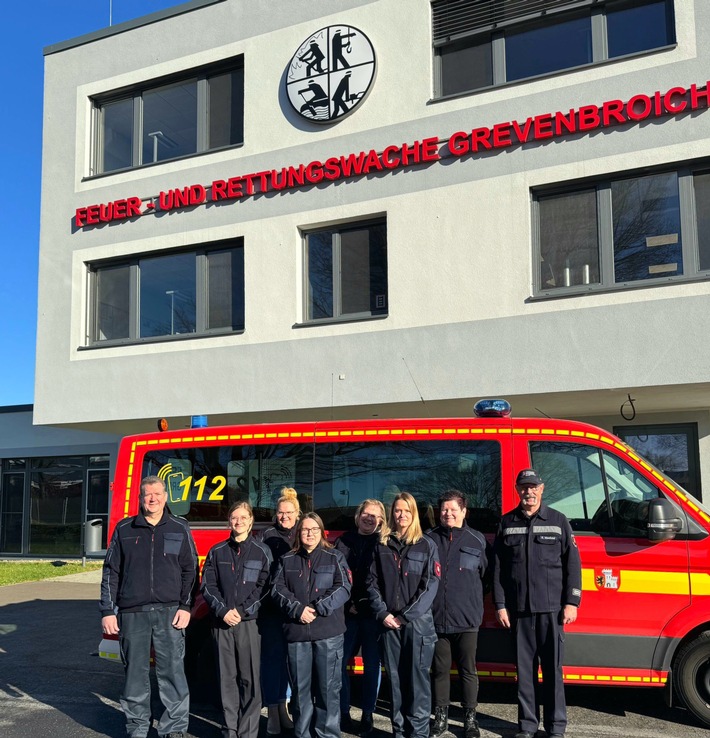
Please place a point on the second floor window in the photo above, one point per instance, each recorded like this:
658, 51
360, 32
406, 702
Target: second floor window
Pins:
170, 118
483, 43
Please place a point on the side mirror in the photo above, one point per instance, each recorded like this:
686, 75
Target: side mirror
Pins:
663, 520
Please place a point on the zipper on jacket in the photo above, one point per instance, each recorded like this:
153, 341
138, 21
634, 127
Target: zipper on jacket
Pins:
152, 556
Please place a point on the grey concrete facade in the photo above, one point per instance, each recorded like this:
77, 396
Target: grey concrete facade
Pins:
461, 323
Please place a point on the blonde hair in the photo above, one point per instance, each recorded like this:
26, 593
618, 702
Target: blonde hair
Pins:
414, 532
381, 509
289, 494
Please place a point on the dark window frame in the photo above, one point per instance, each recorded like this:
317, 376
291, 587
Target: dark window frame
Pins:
466, 22
338, 315
201, 253
688, 220
201, 76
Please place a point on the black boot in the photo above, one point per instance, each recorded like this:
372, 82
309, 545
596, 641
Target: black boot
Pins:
441, 722
470, 726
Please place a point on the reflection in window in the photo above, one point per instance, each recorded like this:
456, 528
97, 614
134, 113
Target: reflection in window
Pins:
203, 483
347, 272
56, 512
479, 43
671, 448
202, 112
569, 244
548, 48
636, 28
701, 185
12, 488
646, 221
175, 294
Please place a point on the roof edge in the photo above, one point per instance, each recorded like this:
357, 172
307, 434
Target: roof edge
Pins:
144, 20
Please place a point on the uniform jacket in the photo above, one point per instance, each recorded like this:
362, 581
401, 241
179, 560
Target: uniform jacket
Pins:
280, 541
320, 579
236, 576
403, 578
537, 564
148, 565
358, 551
463, 553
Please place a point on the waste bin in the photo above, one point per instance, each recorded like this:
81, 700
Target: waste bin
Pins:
93, 532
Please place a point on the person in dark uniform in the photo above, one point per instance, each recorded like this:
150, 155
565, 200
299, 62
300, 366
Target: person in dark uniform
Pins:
235, 580
361, 628
146, 597
458, 610
312, 586
280, 538
537, 587
402, 584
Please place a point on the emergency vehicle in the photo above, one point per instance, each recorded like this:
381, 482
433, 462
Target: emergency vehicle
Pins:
644, 620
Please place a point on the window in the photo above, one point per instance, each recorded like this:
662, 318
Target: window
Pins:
331, 478
480, 43
201, 111
346, 272
671, 448
596, 490
621, 232
174, 294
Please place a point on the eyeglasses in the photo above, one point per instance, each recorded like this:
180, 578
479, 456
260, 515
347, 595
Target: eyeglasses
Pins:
309, 531
239, 520
285, 514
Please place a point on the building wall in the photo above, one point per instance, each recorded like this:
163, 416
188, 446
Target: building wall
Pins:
460, 325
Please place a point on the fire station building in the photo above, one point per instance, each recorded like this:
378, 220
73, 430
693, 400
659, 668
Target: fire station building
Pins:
354, 208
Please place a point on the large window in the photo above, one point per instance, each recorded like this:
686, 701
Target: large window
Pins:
175, 117
164, 295
346, 272
331, 478
649, 228
480, 43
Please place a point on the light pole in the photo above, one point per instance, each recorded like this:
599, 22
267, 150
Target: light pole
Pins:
172, 310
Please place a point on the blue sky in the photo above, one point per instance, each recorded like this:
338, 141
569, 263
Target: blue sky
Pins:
26, 29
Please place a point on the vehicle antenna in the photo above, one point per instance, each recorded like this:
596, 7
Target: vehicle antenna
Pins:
413, 380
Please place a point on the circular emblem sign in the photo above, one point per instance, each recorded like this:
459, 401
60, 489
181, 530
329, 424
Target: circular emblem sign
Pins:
331, 73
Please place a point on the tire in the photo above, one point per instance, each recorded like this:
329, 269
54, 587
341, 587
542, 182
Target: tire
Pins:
692, 676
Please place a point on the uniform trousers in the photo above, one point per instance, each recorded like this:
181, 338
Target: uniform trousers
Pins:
238, 658
137, 631
274, 674
315, 668
407, 653
362, 633
539, 639
462, 648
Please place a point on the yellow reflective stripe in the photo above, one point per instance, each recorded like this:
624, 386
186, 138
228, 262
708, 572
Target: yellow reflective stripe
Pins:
700, 583
651, 582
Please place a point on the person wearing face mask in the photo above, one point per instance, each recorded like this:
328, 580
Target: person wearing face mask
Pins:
537, 588
458, 611
402, 583
361, 629
235, 581
275, 689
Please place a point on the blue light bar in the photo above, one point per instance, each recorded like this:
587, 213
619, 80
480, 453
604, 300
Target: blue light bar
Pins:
492, 409
198, 421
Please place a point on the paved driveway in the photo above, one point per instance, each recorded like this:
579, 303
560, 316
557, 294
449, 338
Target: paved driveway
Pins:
53, 684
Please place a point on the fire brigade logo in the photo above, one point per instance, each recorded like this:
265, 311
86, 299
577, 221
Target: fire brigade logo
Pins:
331, 73
607, 578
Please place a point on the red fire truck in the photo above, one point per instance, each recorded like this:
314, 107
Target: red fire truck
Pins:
644, 620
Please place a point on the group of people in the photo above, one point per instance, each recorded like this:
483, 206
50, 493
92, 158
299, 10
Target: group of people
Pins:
290, 609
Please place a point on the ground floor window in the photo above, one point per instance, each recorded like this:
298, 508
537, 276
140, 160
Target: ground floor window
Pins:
46, 502
346, 271
672, 448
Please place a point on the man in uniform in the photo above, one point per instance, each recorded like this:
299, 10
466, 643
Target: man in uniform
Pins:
537, 590
146, 595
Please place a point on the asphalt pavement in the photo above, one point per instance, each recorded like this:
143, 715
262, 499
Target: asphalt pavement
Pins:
53, 684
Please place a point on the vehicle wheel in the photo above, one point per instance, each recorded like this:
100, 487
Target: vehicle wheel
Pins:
692, 676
